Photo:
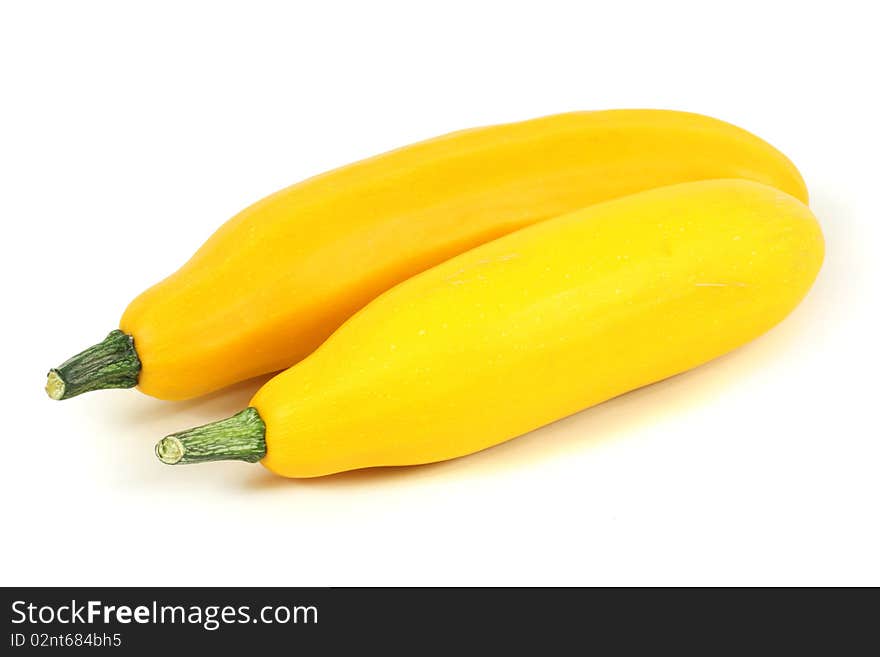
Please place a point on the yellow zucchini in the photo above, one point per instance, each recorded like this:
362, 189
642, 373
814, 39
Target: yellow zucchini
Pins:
530, 328
272, 283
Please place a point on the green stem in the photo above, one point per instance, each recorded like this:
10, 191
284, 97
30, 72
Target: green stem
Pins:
241, 437
113, 363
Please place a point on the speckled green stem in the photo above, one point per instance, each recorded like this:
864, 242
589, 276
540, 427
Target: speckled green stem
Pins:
113, 363
241, 437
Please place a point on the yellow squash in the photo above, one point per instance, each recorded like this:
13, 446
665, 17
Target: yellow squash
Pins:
530, 328
272, 283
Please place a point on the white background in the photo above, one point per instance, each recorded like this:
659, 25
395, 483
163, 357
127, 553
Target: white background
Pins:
128, 135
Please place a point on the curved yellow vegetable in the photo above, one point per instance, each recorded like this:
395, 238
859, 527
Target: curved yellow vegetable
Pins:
533, 327
272, 283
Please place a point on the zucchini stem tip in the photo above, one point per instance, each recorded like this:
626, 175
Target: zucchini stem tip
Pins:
169, 450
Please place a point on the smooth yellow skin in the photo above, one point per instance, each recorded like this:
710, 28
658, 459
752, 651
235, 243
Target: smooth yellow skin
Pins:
271, 284
542, 323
